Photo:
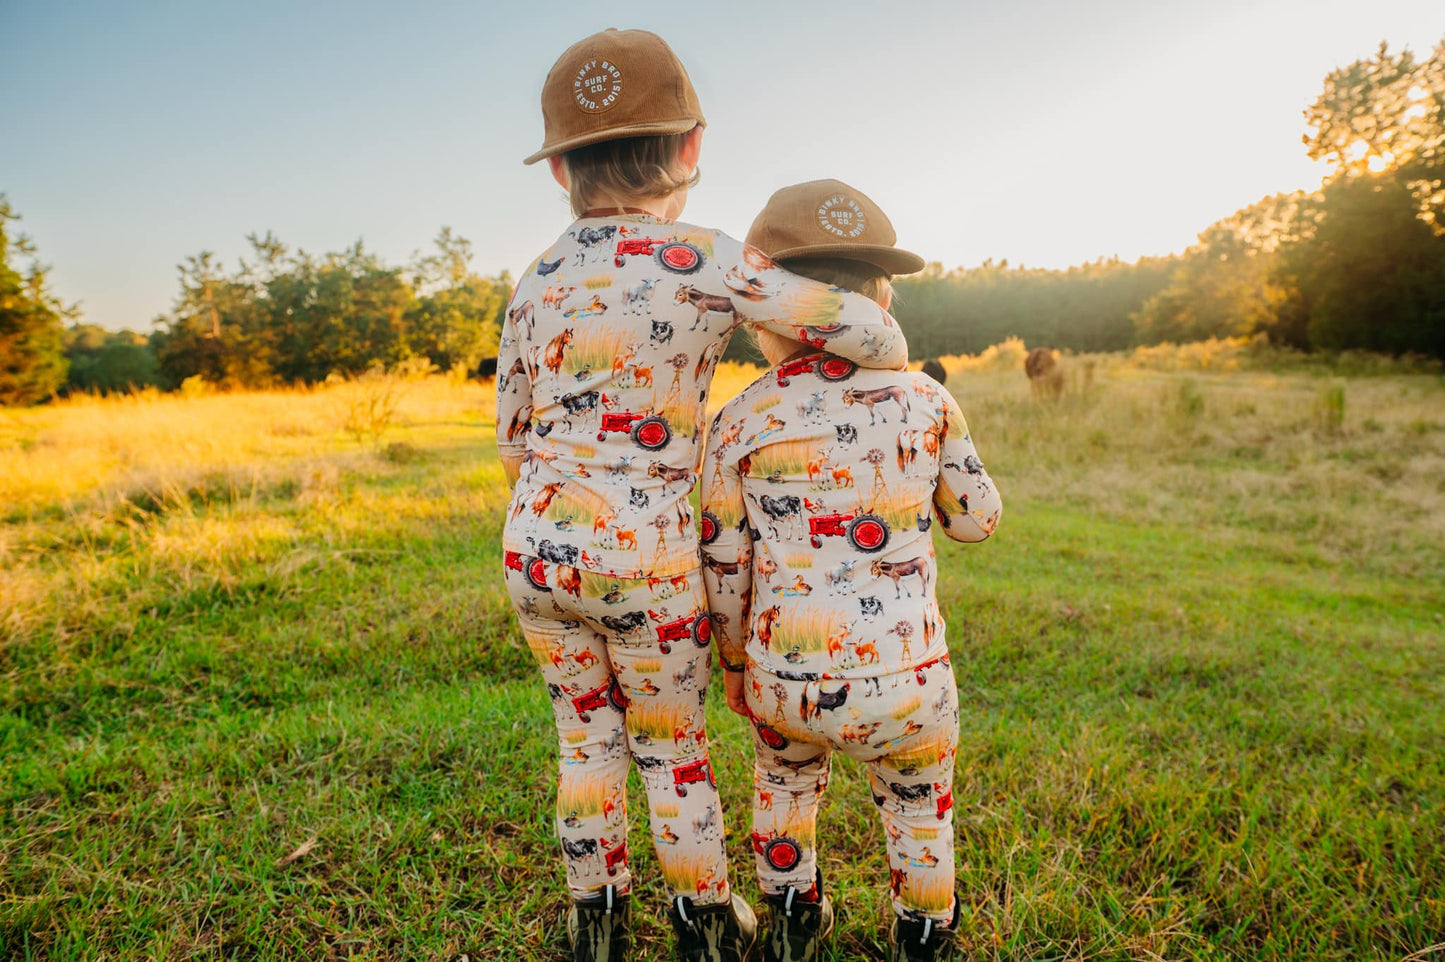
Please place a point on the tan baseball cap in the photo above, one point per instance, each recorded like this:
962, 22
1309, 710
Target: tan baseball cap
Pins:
827, 218
613, 84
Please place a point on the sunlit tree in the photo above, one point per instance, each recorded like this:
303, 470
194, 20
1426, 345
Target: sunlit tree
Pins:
32, 321
1386, 115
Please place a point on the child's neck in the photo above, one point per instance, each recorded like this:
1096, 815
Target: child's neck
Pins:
668, 207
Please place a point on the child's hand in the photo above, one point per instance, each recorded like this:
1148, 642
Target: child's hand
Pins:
734, 683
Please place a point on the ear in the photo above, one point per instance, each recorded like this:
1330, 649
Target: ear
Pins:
691, 149
888, 298
559, 173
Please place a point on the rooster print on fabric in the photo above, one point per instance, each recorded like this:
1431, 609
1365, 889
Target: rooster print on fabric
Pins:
819, 492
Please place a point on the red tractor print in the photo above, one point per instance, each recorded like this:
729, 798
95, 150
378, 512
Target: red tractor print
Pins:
679, 257
648, 431
945, 802
696, 626
866, 532
817, 336
710, 527
828, 368
694, 771
781, 852
533, 569
919, 669
771, 737
607, 693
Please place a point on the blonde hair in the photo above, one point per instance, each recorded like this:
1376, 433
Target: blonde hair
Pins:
624, 169
863, 278
870, 280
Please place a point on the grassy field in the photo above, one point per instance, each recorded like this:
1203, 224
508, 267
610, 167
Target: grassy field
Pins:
260, 696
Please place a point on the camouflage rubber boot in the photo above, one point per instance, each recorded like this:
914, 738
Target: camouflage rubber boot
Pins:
599, 928
713, 933
796, 929
923, 940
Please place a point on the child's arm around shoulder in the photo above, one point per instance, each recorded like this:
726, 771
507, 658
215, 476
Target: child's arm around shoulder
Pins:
727, 547
965, 498
808, 311
514, 392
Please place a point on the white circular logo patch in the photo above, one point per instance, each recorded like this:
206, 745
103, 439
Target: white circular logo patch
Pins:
841, 216
597, 86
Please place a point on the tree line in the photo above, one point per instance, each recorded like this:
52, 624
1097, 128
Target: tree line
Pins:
1357, 264
280, 317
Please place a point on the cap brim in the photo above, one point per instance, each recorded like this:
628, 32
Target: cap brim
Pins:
894, 260
680, 126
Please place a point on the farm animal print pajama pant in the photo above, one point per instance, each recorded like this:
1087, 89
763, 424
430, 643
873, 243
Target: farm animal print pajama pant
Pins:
904, 727
626, 664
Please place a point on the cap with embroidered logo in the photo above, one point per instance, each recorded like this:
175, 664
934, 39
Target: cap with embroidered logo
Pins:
827, 218
614, 84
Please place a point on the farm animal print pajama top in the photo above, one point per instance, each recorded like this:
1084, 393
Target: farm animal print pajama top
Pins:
820, 488
607, 354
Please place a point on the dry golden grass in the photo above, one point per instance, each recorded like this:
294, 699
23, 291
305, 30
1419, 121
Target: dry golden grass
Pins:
906, 707
596, 585
766, 403
788, 458
682, 414
164, 445
575, 506
582, 794
658, 721
728, 380
593, 347
682, 872
806, 629
700, 238
790, 822
929, 892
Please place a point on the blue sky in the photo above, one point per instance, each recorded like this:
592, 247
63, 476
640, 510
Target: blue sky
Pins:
1048, 133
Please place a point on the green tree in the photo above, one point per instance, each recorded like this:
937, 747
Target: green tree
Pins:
32, 321
287, 316
109, 361
454, 321
215, 329
1227, 285
1372, 273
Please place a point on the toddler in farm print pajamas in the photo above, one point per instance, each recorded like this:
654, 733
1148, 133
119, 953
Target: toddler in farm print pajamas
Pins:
607, 354
820, 486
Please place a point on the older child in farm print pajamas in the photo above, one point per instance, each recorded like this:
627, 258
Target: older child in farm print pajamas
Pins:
607, 353
820, 487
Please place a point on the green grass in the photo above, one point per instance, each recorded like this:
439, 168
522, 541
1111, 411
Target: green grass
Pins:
1201, 669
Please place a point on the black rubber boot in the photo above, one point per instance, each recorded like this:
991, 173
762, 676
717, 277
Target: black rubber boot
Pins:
796, 929
600, 929
923, 940
713, 933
